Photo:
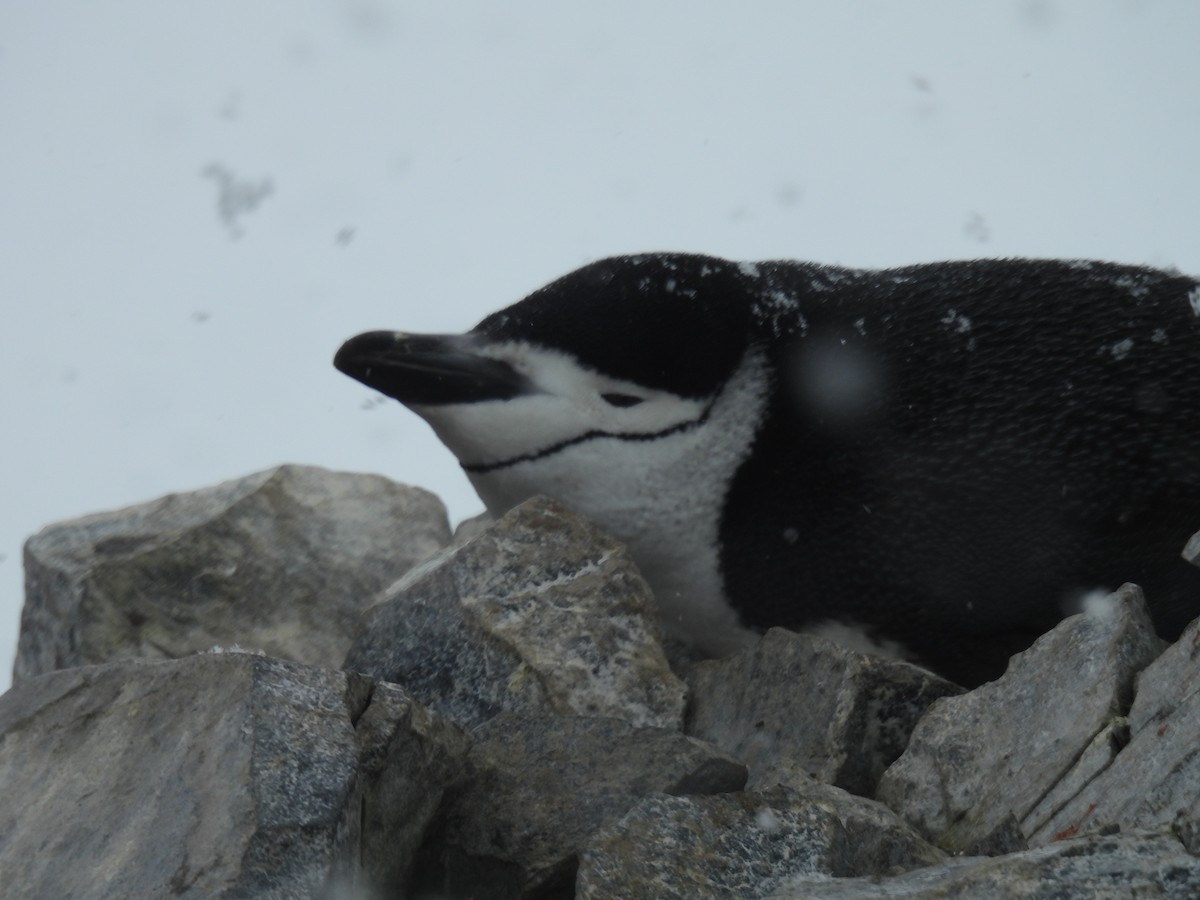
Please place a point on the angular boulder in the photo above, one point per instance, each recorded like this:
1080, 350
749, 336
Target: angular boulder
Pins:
746, 845
1153, 778
283, 561
987, 768
218, 775
796, 707
1094, 868
540, 612
537, 787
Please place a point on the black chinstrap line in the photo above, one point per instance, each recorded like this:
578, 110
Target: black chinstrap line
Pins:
483, 468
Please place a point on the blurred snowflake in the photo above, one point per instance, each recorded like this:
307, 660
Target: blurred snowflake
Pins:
236, 197
977, 228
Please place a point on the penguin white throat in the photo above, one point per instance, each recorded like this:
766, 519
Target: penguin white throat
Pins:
649, 466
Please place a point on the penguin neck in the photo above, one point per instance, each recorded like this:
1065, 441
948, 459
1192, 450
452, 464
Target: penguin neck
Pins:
675, 539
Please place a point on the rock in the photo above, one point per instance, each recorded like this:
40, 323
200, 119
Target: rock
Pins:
979, 761
795, 707
218, 775
745, 845
1152, 779
469, 529
232, 774
542, 612
1095, 868
283, 561
537, 787
407, 755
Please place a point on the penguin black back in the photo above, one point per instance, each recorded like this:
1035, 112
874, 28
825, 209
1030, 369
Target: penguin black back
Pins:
1014, 435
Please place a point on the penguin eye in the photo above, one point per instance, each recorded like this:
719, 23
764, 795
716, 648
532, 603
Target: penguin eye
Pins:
622, 400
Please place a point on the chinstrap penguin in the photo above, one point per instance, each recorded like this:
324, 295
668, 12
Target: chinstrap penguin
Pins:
939, 458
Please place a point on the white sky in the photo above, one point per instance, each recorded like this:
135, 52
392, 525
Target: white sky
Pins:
477, 150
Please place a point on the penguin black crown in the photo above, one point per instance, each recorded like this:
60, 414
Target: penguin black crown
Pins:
942, 458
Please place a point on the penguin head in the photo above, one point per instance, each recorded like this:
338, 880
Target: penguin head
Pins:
592, 390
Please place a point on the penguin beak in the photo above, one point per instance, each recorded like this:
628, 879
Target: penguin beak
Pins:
429, 369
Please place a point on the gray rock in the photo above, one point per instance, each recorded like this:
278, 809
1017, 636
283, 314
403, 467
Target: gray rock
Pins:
537, 787
407, 756
1096, 868
236, 775
1153, 779
745, 845
469, 529
218, 775
540, 612
283, 561
979, 761
795, 707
